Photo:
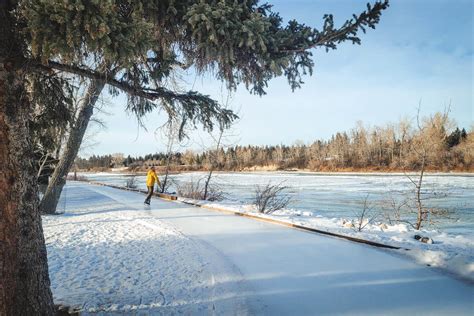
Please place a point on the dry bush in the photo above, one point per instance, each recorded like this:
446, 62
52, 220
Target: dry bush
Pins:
366, 215
271, 197
164, 186
195, 190
190, 190
403, 207
131, 182
394, 206
214, 193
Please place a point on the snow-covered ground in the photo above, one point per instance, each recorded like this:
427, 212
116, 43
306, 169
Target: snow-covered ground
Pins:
107, 257
111, 255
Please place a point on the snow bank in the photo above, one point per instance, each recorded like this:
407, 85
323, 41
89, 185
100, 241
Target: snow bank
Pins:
453, 253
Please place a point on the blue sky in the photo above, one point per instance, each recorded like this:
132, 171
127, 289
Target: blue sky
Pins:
421, 50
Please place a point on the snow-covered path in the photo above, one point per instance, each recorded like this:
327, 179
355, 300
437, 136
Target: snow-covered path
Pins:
110, 258
267, 269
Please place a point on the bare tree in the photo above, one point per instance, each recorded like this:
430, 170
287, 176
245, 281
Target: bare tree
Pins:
213, 159
218, 140
171, 131
404, 130
71, 141
76, 133
204, 189
425, 147
49, 134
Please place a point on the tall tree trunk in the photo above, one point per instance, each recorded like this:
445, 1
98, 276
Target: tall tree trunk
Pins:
58, 178
24, 279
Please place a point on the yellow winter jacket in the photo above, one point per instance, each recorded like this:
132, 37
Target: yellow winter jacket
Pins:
151, 177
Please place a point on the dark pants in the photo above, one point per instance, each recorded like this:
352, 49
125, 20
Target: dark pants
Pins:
150, 193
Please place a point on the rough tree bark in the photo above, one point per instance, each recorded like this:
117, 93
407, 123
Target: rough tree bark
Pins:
24, 279
58, 178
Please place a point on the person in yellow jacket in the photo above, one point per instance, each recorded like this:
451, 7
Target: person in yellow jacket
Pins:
151, 178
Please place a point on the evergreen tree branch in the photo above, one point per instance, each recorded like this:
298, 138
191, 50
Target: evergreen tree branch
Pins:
329, 37
149, 94
190, 106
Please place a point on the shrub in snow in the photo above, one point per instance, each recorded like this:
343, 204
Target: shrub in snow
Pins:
215, 194
131, 182
410, 206
271, 197
165, 185
366, 215
195, 190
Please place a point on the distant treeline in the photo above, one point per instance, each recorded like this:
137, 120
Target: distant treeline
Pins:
389, 148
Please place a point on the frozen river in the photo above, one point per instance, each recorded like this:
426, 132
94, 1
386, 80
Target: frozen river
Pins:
340, 195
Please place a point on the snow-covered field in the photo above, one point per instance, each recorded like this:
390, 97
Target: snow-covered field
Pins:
331, 203
108, 254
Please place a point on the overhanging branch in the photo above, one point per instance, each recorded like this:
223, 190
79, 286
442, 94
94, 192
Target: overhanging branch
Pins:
191, 106
329, 36
146, 93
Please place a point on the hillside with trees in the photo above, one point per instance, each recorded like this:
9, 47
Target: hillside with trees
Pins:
380, 148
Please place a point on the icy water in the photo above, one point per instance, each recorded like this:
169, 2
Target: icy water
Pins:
339, 195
